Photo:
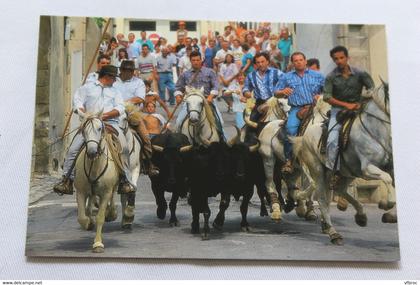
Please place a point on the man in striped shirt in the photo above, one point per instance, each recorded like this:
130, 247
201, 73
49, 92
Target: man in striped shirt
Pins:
301, 87
262, 82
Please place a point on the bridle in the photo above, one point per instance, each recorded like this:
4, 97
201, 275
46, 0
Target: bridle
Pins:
197, 126
197, 111
89, 122
88, 172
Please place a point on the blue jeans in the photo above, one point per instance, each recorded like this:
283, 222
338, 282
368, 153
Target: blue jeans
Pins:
166, 80
332, 141
292, 127
239, 120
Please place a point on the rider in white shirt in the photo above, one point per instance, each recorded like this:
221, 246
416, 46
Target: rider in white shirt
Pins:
92, 98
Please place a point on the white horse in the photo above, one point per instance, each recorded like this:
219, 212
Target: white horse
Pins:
96, 175
134, 146
200, 124
128, 200
272, 150
368, 156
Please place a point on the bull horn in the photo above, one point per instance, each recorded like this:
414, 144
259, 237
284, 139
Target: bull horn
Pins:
185, 148
233, 140
254, 148
250, 123
157, 148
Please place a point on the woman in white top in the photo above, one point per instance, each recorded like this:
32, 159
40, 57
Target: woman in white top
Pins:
228, 73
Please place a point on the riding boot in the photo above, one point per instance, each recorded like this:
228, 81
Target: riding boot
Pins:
64, 187
146, 152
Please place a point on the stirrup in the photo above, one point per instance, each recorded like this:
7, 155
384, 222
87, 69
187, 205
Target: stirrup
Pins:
65, 187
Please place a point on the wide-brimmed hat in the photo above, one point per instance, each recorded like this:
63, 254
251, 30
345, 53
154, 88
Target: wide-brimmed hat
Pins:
110, 70
127, 64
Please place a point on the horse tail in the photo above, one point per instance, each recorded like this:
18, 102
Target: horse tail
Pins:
297, 143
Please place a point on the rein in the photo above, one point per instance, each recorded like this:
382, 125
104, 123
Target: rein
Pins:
101, 151
197, 127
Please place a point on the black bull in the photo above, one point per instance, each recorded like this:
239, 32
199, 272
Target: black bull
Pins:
171, 155
229, 169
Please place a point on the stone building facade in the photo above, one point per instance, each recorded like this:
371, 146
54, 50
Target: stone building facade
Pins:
66, 47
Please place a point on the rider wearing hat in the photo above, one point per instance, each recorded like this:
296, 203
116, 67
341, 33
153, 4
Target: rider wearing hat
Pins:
92, 98
133, 92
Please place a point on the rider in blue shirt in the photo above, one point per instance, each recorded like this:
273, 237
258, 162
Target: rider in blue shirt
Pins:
300, 87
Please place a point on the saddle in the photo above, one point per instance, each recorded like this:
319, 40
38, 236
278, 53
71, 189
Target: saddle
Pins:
305, 115
115, 148
346, 118
111, 130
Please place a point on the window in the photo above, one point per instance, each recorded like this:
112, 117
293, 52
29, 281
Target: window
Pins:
190, 26
355, 28
142, 25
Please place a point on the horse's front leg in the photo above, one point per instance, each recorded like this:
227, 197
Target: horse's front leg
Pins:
324, 199
85, 221
269, 161
98, 246
111, 211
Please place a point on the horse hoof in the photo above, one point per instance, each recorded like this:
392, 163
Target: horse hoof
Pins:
112, 216
217, 226
310, 216
276, 214
389, 218
128, 220
195, 230
90, 226
276, 217
385, 205
300, 211
126, 226
342, 204
204, 237
361, 219
336, 239
98, 247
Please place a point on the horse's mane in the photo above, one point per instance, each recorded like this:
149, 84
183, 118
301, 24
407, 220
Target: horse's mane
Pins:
321, 106
274, 110
207, 108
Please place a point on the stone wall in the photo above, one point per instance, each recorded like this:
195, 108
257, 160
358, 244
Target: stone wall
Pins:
41, 130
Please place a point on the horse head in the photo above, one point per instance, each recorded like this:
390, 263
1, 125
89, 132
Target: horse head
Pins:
195, 101
93, 132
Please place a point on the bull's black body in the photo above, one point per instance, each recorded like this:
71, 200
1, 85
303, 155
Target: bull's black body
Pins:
173, 168
210, 175
246, 171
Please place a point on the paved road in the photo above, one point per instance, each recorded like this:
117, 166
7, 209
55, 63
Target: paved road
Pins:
53, 231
